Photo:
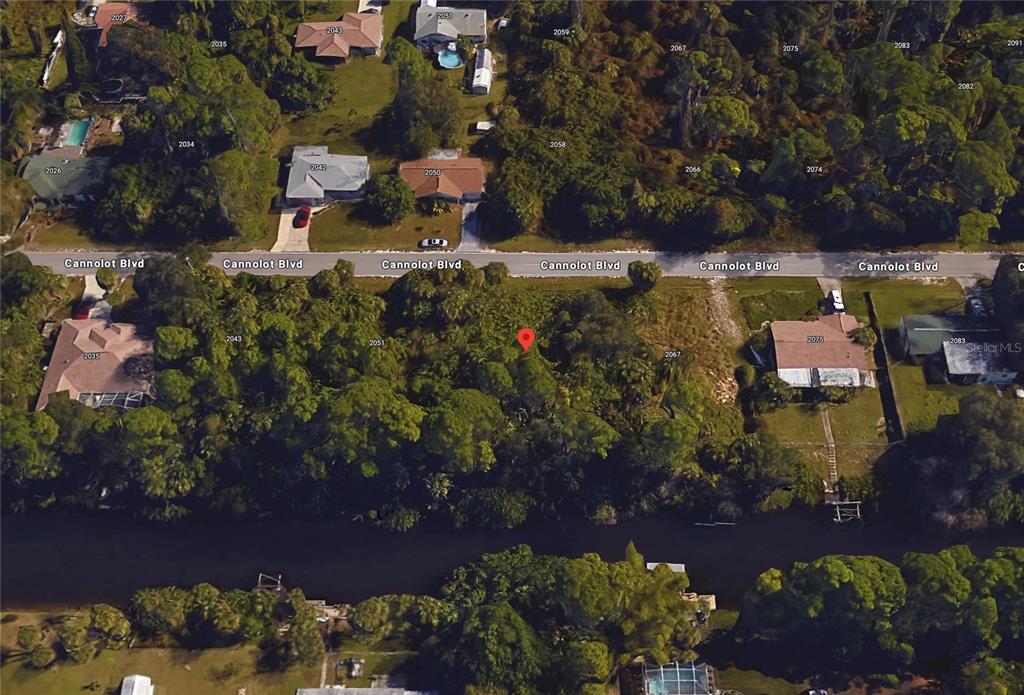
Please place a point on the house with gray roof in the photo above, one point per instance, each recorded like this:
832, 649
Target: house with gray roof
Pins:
317, 177
980, 363
58, 180
446, 24
923, 335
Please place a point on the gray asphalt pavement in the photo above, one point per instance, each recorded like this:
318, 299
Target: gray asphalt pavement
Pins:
531, 264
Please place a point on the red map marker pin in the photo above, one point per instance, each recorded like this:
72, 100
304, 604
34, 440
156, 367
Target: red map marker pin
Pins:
525, 336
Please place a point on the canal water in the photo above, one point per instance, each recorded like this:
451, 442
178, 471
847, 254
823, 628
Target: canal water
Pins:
60, 558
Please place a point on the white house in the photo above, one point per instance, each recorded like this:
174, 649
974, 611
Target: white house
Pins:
317, 177
446, 24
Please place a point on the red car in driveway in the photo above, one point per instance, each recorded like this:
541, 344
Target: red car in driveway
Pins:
302, 216
83, 309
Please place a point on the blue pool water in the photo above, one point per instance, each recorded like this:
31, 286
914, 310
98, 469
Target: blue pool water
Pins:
77, 133
449, 59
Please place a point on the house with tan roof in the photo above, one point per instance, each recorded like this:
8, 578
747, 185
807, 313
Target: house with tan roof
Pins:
822, 352
356, 32
100, 364
455, 179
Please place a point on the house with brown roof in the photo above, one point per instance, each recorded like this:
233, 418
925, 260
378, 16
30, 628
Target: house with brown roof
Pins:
445, 175
822, 352
100, 364
356, 32
111, 14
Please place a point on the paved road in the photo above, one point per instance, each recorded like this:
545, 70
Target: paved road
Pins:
531, 264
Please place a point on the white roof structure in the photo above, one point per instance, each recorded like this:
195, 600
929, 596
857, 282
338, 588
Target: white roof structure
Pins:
448, 23
315, 172
965, 359
483, 69
484, 126
335, 690
674, 566
136, 685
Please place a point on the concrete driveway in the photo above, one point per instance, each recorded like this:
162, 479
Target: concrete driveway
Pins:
470, 240
289, 238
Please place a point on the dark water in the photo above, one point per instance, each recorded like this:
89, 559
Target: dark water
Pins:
59, 558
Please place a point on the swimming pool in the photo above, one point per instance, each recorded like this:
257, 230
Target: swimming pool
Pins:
77, 133
449, 59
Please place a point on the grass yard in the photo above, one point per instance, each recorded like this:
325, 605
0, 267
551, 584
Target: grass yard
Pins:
174, 671
773, 299
66, 234
921, 404
366, 86
262, 244
750, 682
343, 227
857, 427
375, 664
895, 298
541, 244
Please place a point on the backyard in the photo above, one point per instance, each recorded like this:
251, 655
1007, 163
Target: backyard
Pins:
173, 671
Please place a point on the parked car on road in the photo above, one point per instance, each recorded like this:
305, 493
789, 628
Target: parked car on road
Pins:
302, 217
433, 243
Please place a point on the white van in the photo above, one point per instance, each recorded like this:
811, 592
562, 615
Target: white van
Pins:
835, 298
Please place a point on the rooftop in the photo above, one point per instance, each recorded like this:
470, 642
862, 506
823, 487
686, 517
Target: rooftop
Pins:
976, 358
136, 685
314, 172
824, 343
99, 364
449, 177
450, 22
108, 11
59, 177
927, 332
336, 39
677, 678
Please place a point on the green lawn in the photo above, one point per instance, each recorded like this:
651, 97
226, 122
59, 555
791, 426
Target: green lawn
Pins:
343, 227
895, 298
66, 234
174, 671
263, 244
921, 403
857, 428
375, 664
774, 299
751, 682
535, 242
366, 86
